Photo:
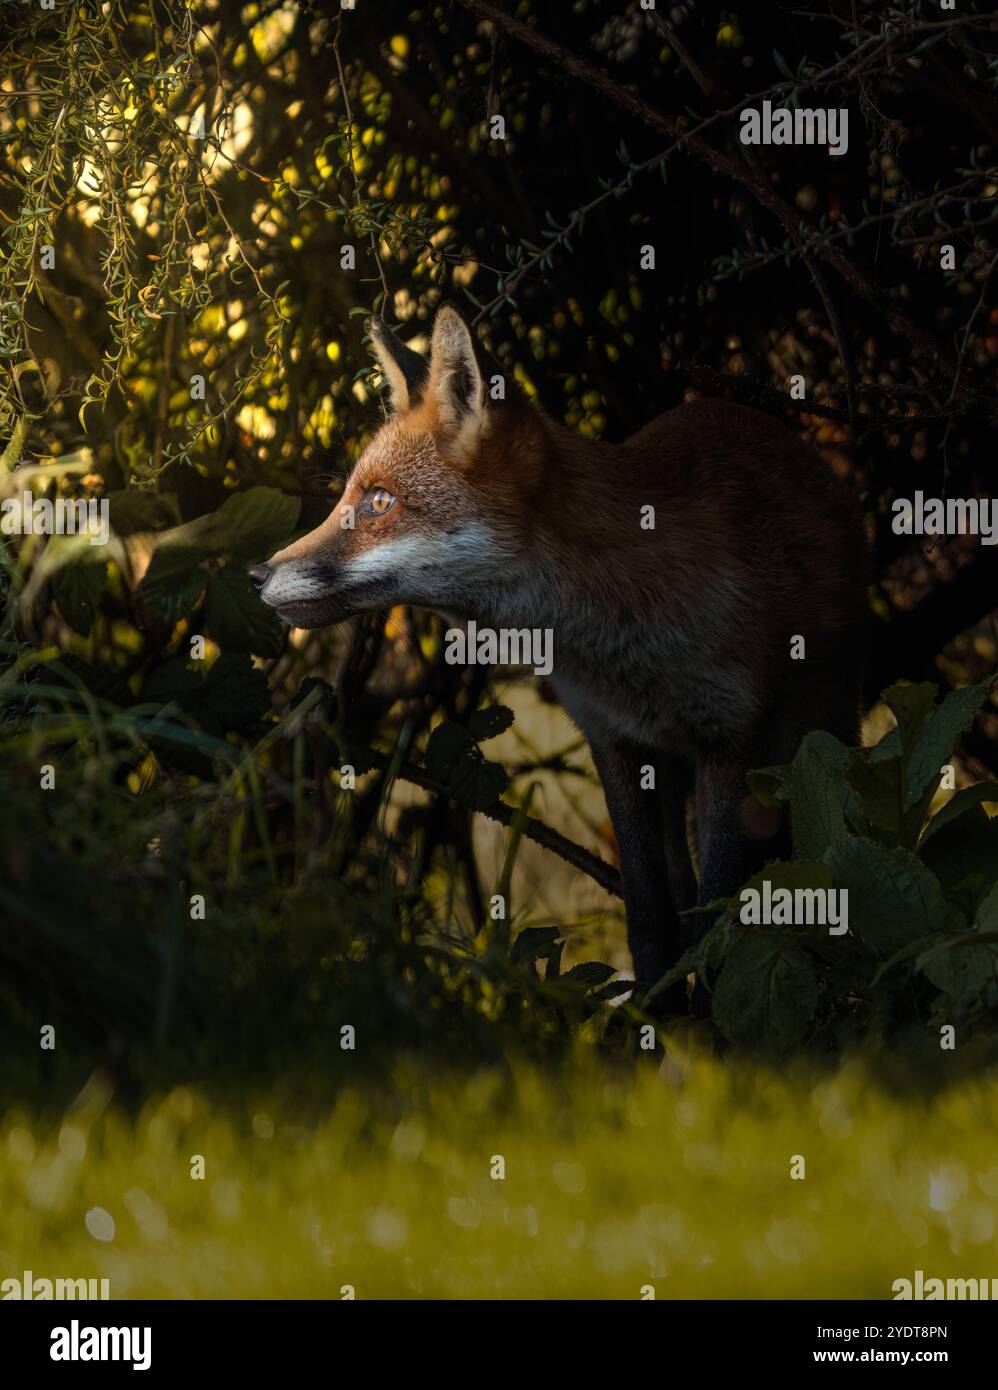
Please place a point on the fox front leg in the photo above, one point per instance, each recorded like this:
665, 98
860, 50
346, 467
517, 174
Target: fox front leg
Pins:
653, 930
736, 835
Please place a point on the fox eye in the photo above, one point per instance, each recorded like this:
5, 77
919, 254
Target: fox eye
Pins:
380, 500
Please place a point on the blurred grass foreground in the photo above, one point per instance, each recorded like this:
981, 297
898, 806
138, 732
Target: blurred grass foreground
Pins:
507, 1184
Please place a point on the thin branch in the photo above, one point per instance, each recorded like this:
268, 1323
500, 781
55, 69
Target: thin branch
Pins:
961, 358
722, 164
353, 164
590, 864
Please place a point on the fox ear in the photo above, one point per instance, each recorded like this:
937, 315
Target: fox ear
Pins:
456, 387
404, 370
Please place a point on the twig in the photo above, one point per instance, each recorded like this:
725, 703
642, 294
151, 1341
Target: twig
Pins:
353, 165
590, 864
165, 383
961, 357
723, 164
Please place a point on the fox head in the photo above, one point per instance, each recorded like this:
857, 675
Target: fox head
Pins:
436, 510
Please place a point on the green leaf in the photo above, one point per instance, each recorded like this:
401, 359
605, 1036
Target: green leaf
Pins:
232, 695
447, 743
770, 785
891, 746
488, 723
235, 617
963, 855
78, 589
877, 782
139, 509
687, 964
893, 897
253, 524
247, 526
782, 64
898, 778
911, 705
937, 736
182, 547
103, 681
987, 913
533, 943
767, 994
476, 783
172, 682
958, 804
966, 970
800, 873
172, 588
819, 793
235, 694
713, 949
913, 948
590, 972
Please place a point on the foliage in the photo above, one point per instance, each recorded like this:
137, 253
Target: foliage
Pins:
921, 951
454, 757
220, 926
306, 918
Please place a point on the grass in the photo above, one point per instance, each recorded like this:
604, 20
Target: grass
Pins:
615, 1179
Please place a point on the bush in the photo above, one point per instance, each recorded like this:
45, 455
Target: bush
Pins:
921, 952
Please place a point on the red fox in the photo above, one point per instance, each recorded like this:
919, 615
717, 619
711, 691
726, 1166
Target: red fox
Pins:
703, 584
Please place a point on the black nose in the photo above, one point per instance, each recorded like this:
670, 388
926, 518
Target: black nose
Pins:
260, 574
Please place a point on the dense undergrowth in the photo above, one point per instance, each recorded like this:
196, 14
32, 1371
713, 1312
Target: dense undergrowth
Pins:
181, 907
